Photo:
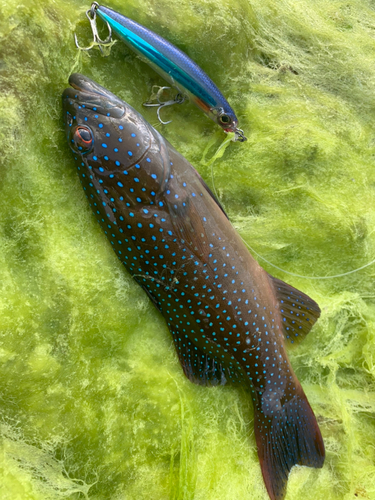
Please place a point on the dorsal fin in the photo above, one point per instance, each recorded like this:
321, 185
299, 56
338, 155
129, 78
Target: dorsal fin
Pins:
298, 311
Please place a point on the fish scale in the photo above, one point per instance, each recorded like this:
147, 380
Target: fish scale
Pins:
228, 317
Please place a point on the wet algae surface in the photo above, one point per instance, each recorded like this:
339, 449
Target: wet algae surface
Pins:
93, 401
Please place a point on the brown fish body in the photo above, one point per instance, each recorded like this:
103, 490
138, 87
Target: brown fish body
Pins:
229, 318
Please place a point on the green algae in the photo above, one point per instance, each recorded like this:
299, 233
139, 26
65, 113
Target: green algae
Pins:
93, 402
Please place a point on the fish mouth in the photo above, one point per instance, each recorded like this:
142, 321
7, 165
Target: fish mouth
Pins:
91, 95
87, 86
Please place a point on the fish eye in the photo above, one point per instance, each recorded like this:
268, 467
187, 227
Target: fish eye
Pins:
82, 139
224, 119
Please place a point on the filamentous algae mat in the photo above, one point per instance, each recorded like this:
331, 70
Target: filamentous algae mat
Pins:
94, 403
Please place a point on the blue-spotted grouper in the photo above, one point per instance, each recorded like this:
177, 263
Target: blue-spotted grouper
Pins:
230, 320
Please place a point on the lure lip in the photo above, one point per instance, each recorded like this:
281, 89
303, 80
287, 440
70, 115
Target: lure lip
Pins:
239, 135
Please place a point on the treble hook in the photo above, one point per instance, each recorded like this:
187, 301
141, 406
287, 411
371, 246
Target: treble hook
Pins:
178, 99
239, 135
91, 16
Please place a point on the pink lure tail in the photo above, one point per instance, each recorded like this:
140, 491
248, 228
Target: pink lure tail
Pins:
289, 437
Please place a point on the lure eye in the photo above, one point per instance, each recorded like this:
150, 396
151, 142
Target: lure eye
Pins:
82, 139
224, 119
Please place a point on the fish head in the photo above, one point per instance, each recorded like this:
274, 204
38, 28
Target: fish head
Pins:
111, 138
94, 116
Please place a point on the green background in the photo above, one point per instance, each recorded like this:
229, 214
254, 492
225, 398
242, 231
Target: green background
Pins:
93, 402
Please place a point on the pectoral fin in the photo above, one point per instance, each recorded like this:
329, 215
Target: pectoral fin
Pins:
189, 227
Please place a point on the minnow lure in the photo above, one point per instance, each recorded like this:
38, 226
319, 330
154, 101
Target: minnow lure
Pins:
172, 64
230, 320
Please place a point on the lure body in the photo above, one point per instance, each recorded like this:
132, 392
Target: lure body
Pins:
174, 66
228, 317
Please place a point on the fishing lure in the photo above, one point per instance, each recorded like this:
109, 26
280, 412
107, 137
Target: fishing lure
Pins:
230, 320
172, 64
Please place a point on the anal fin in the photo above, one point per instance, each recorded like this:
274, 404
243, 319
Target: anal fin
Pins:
198, 367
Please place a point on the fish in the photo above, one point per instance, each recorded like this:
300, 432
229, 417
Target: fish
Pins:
230, 320
173, 65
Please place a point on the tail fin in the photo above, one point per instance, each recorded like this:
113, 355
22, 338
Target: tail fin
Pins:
291, 436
